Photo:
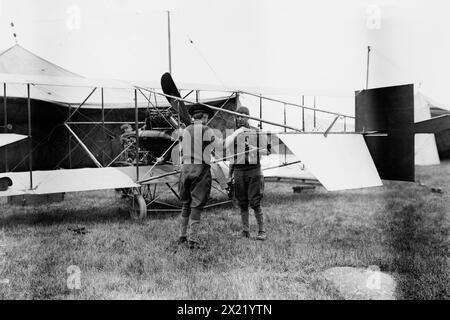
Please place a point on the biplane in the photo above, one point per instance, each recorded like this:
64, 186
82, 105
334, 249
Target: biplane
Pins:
61, 133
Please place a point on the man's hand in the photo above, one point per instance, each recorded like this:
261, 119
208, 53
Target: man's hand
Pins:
243, 129
253, 151
177, 134
229, 140
230, 187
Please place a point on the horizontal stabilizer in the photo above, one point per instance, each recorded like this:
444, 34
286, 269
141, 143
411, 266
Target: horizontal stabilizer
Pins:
8, 138
338, 161
433, 125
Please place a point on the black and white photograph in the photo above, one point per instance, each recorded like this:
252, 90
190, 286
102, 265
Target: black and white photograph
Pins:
203, 151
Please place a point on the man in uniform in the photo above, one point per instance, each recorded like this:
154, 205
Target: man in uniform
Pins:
248, 177
195, 177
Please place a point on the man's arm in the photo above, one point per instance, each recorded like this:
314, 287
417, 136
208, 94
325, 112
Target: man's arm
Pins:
217, 142
261, 144
230, 139
231, 171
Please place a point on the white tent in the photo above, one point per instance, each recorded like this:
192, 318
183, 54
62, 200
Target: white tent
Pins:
426, 152
51, 82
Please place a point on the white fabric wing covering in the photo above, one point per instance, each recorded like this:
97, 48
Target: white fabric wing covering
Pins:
159, 170
338, 161
70, 180
272, 167
8, 138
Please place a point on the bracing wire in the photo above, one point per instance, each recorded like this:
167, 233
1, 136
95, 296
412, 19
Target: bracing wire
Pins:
206, 61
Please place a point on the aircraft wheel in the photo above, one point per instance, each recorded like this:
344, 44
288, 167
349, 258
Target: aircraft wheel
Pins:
138, 208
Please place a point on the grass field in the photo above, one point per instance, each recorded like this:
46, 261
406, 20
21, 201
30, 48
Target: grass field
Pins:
403, 228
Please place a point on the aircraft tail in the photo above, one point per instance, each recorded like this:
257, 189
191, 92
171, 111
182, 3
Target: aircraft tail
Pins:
386, 117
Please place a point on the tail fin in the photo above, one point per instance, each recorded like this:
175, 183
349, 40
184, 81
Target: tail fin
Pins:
386, 115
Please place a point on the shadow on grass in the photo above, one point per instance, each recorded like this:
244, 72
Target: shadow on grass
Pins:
62, 216
419, 245
28, 216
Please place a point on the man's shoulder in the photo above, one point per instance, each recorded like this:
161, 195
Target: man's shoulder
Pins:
188, 129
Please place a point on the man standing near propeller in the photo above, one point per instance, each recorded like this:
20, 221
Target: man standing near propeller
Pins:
198, 140
247, 174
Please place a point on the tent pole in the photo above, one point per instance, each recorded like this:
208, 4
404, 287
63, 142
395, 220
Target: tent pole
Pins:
6, 124
30, 140
303, 113
170, 49
367, 70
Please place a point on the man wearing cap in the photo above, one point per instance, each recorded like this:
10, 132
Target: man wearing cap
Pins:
195, 177
128, 141
248, 177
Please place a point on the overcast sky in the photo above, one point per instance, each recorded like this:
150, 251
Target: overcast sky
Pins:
306, 45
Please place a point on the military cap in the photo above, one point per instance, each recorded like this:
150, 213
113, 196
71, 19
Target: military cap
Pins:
198, 108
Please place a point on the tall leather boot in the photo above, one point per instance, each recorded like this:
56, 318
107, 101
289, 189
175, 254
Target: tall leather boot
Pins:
245, 222
260, 220
194, 239
183, 230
